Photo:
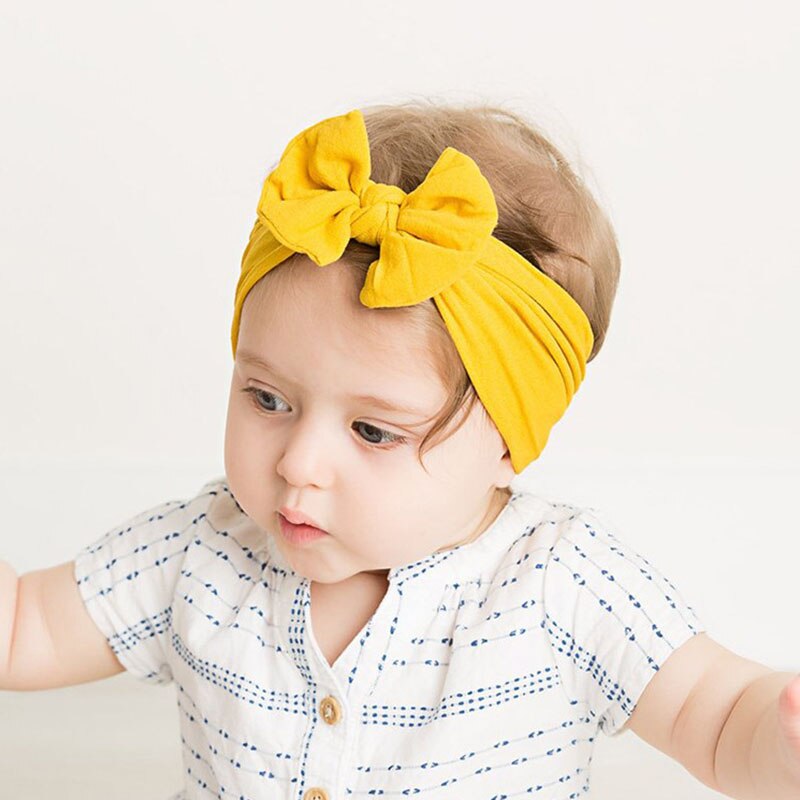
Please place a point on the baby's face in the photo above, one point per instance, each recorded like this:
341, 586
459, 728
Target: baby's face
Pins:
298, 436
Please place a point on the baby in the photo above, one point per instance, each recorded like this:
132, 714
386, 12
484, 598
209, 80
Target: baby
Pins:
363, 605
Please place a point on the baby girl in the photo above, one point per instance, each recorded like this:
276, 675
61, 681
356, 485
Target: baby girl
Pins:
363, 604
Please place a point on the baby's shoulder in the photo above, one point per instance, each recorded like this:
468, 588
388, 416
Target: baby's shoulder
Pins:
568, 548
227, 528
204, 526
547, 529
544, 522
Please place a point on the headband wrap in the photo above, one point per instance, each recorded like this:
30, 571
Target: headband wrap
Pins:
522, 338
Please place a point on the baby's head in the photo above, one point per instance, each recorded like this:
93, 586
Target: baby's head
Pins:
422, 466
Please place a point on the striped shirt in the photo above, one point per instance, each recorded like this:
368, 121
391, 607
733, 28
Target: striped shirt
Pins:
485, 672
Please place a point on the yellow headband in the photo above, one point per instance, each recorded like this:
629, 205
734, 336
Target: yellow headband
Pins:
522, 338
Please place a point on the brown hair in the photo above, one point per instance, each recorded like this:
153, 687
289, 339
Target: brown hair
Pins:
545, 213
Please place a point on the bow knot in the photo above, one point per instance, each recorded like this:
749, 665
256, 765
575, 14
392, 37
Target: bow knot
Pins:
379, 209
321, 195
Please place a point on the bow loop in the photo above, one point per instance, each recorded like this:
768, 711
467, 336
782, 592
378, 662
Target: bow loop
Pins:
443, 226
308, 200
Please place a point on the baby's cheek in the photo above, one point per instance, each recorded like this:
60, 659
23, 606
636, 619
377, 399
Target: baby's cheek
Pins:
241, 468
231, 455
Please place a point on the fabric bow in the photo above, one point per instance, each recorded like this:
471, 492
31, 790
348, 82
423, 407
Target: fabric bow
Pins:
321, 195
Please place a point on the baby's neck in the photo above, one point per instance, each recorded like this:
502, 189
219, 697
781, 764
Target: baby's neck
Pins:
499, 501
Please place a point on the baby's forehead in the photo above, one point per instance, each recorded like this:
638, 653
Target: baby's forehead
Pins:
323, 302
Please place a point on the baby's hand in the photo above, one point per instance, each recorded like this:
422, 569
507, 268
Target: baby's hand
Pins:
789, 724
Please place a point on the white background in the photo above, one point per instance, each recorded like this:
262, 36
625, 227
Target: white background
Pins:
133, 142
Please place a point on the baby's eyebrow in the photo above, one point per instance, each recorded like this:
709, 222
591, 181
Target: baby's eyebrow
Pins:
246, 357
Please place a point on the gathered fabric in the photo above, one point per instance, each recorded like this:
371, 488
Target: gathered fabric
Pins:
523, 340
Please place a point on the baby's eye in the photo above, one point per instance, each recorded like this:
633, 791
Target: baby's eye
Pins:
262, 398
393, 438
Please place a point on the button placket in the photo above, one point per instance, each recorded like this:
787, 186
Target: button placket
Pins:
330, 742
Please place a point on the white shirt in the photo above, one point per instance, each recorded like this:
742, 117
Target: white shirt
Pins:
485, 672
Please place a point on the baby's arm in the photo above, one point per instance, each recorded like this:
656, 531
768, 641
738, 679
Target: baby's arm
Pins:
47, 638
715, 713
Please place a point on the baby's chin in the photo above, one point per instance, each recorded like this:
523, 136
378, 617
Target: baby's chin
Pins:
308, 562
315, 568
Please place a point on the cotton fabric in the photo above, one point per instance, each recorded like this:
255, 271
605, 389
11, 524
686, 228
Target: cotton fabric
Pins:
486, 671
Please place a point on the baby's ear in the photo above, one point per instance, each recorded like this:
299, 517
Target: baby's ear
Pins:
506, 471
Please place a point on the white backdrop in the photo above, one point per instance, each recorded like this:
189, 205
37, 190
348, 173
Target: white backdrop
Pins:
133, 144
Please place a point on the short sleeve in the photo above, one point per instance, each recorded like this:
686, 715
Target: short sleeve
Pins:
612, 618
127, 580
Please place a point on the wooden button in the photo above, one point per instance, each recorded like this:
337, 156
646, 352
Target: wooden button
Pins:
330, 710
315, 793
